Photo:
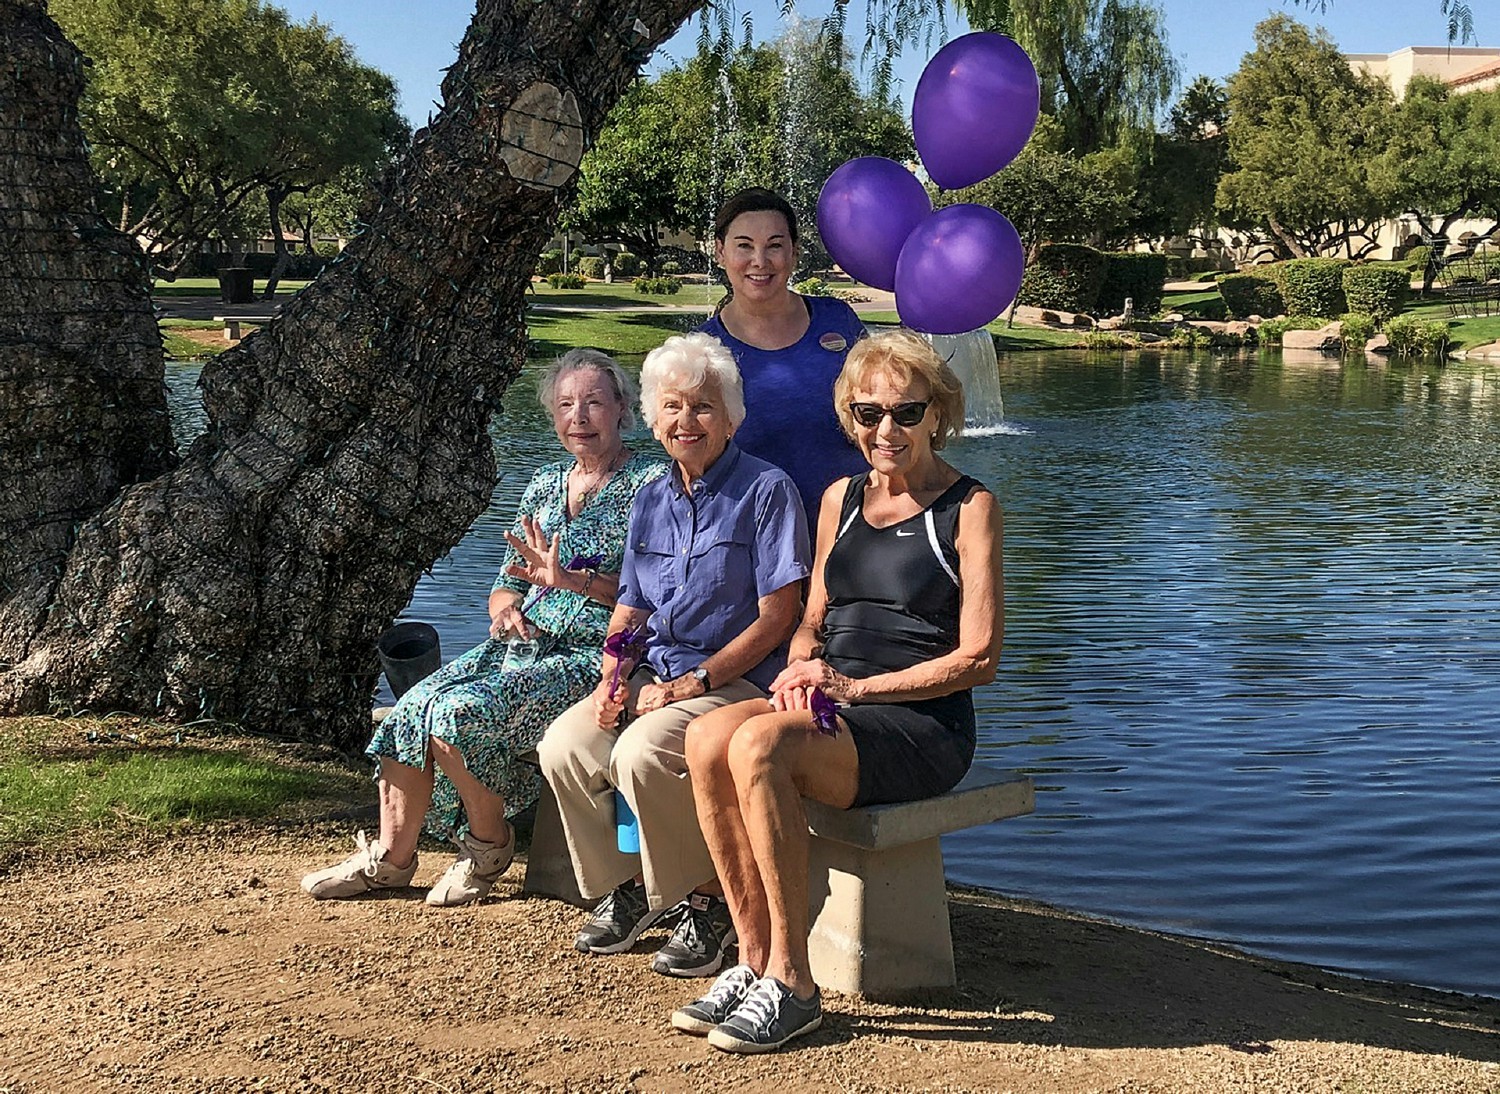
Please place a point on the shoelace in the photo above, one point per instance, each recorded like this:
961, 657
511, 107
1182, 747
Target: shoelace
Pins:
368, 851
728, 988
687, 927
762, 1004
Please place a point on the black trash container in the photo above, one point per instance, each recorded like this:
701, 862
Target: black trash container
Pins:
236, 285
408, 653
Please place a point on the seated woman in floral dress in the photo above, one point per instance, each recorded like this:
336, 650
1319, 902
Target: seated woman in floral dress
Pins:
472, 719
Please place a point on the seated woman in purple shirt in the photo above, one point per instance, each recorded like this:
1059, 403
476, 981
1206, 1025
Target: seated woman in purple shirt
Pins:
714, 561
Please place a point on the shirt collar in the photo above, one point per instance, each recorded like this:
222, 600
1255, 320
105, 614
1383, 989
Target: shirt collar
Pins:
714, 478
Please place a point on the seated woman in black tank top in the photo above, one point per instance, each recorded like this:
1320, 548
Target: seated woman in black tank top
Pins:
905, 615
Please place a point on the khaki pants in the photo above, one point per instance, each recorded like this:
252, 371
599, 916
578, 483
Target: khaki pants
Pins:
645, 761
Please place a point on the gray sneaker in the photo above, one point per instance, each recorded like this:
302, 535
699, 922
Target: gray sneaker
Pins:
618, 921
721, 1000
769, 1017
475, 871
361, 872
704, 933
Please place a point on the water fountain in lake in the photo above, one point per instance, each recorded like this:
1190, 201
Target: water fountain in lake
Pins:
971, 356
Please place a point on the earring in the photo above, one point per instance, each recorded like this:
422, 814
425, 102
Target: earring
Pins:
932, 436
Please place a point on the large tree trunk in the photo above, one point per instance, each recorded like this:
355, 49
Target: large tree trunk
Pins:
347, 445
82, 407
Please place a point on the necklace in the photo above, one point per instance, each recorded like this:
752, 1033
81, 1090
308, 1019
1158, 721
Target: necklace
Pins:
586, 489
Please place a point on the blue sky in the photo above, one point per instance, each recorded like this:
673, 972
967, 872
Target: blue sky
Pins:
414, 40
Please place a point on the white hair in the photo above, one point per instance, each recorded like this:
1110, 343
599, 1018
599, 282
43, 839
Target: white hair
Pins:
687, 362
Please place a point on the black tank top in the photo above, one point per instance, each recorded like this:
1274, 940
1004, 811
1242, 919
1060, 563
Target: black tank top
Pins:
893, 593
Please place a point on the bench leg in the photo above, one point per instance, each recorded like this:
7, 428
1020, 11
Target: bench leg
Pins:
880, 922
231, 330
549, 869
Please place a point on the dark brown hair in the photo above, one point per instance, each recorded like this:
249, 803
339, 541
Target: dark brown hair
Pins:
754, 199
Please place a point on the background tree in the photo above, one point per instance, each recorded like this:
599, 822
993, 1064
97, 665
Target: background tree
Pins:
198, 109
1105, 66
1460, 16
1054, 196
1442, 163
1178, 170
782, 115
1303, 131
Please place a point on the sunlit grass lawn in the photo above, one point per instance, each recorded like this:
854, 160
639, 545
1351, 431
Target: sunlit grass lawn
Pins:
1465, 333
627, 337
1006, 338
621, 294
209, 286
85, 780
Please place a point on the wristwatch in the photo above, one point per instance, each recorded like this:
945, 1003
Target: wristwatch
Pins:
701, 675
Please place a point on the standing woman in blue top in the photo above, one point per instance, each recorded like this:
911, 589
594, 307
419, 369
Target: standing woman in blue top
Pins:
789, 347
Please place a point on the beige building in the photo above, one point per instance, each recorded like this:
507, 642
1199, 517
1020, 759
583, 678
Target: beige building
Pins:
1465, 68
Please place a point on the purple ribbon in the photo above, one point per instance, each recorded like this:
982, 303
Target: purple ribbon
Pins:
627, 647
577, 562
825, 713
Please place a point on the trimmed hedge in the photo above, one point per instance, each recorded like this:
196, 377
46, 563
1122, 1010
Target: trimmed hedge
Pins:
565, 280
1064, 276
590, 266
1247, 294
1411, 336
549, 262
658, 286
1355, 329
625, 264
1138, 275
1378, 291
1313, 286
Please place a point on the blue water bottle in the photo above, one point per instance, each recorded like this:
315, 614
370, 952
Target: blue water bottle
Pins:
627, 828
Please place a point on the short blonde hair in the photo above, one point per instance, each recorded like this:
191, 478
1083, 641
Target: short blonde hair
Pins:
903, 356
687, 362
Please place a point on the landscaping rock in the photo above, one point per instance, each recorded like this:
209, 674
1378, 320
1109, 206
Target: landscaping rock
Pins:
1322, 338
1380, 345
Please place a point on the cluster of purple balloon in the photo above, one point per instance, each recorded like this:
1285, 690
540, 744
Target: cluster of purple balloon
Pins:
956, 269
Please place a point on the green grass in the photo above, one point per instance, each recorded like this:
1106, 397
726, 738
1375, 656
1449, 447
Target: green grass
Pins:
178, 348
209, 286
628, 337
1006, 338
1466, 333
620, 294
78, 781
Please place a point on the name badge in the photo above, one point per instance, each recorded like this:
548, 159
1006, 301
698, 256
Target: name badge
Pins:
833, 342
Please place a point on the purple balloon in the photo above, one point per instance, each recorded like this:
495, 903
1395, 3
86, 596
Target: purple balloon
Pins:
865, 212
974, 108
960, 268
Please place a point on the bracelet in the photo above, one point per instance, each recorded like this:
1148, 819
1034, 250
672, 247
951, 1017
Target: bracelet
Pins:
588, 580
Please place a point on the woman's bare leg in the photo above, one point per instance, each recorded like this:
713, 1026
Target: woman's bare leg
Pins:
484, 808
774, 760
405, 794
718, 807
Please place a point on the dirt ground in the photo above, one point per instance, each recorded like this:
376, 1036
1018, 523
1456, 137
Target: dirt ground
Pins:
199, 965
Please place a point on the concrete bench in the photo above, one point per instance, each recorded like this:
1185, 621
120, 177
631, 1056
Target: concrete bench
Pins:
232, 324
877, 898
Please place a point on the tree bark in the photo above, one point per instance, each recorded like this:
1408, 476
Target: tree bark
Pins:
347, 446
82, 407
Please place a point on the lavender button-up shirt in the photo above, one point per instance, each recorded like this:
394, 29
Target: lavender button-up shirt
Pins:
700, 562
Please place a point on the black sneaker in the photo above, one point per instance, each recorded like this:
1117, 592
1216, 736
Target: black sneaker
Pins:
720, 1001
697, 946
769, 1017
618, 921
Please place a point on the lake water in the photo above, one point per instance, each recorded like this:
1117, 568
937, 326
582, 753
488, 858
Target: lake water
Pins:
1252, 654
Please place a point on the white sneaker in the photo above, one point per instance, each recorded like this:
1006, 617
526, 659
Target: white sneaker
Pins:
475, 871
361, 872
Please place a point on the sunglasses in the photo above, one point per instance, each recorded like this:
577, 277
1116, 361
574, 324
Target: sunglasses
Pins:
903, 414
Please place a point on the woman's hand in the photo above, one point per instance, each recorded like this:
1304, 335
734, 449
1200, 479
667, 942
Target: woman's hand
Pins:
816, 673
792, 698
508, 622
655, 696
539, 564
607, 709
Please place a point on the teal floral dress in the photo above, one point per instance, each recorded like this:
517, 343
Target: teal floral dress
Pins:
493, 714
